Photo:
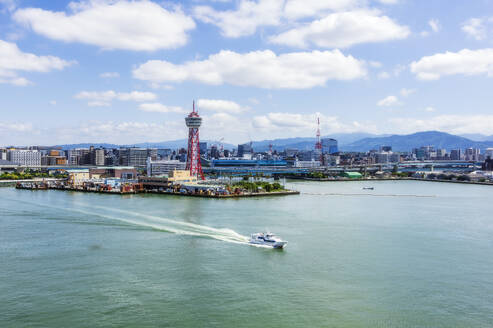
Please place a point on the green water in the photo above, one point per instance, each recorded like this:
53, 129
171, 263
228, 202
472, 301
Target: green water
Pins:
88, 260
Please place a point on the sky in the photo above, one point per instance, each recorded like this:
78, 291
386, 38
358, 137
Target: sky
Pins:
127, 71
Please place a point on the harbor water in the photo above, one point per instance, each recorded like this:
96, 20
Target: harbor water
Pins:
406, 254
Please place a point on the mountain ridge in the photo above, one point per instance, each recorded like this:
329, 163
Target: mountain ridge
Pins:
347, 142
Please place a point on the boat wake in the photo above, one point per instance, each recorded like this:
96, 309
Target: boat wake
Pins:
168, 225
151, 221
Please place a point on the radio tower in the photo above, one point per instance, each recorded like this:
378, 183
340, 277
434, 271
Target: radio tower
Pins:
318, 144
193, 121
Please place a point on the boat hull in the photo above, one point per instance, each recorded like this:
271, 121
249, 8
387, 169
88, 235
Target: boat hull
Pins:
276, 245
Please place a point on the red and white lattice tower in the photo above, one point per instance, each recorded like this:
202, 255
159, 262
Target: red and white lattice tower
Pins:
193, 121
318, 143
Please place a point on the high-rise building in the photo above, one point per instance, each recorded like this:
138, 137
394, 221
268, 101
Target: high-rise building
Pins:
24, 157
455, 155
441, 153
214, 152
472, 154
329, 146
489, 153
99, 157
385, 148
3, 154
245, 150
382, 158
164, 154
136, 157
203, 148
112, 157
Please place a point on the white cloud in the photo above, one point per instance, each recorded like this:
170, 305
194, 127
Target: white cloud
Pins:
475, 28
383, 75
130, 25
104, 98
219, 105
429, 109
15, 127
464, 62
434, 25
295, 9
250, 15
288, 124
109, 75
406, 92
97, 103
127, 132
389, 101
254, 100
160, 108
375, 64
12, 59
455, 124
388, 2
263, 69
344, 29
245, 19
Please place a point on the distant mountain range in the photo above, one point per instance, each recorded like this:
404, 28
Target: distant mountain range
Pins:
173, 144
347, 142
477, 137
308, 143
415, 140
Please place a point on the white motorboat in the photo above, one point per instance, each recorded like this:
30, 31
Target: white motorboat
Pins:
267, 239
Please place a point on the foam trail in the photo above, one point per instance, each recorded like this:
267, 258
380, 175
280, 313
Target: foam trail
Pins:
157, 223
179, 226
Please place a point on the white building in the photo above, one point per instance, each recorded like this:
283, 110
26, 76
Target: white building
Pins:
163, 167
99, 157
307, 164
24, 157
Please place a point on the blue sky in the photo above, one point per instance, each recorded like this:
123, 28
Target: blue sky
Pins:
127, 71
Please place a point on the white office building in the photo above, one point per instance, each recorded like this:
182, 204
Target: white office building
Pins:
163, 167
24, 157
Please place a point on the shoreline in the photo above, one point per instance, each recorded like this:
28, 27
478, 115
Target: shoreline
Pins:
392, 179
260, 194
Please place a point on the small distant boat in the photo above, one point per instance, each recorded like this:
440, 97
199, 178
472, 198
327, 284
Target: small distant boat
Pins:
267, 239
368, 188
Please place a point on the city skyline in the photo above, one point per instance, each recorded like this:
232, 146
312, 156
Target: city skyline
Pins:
258, 69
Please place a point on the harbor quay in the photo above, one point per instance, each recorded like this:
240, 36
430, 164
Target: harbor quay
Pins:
124, 180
